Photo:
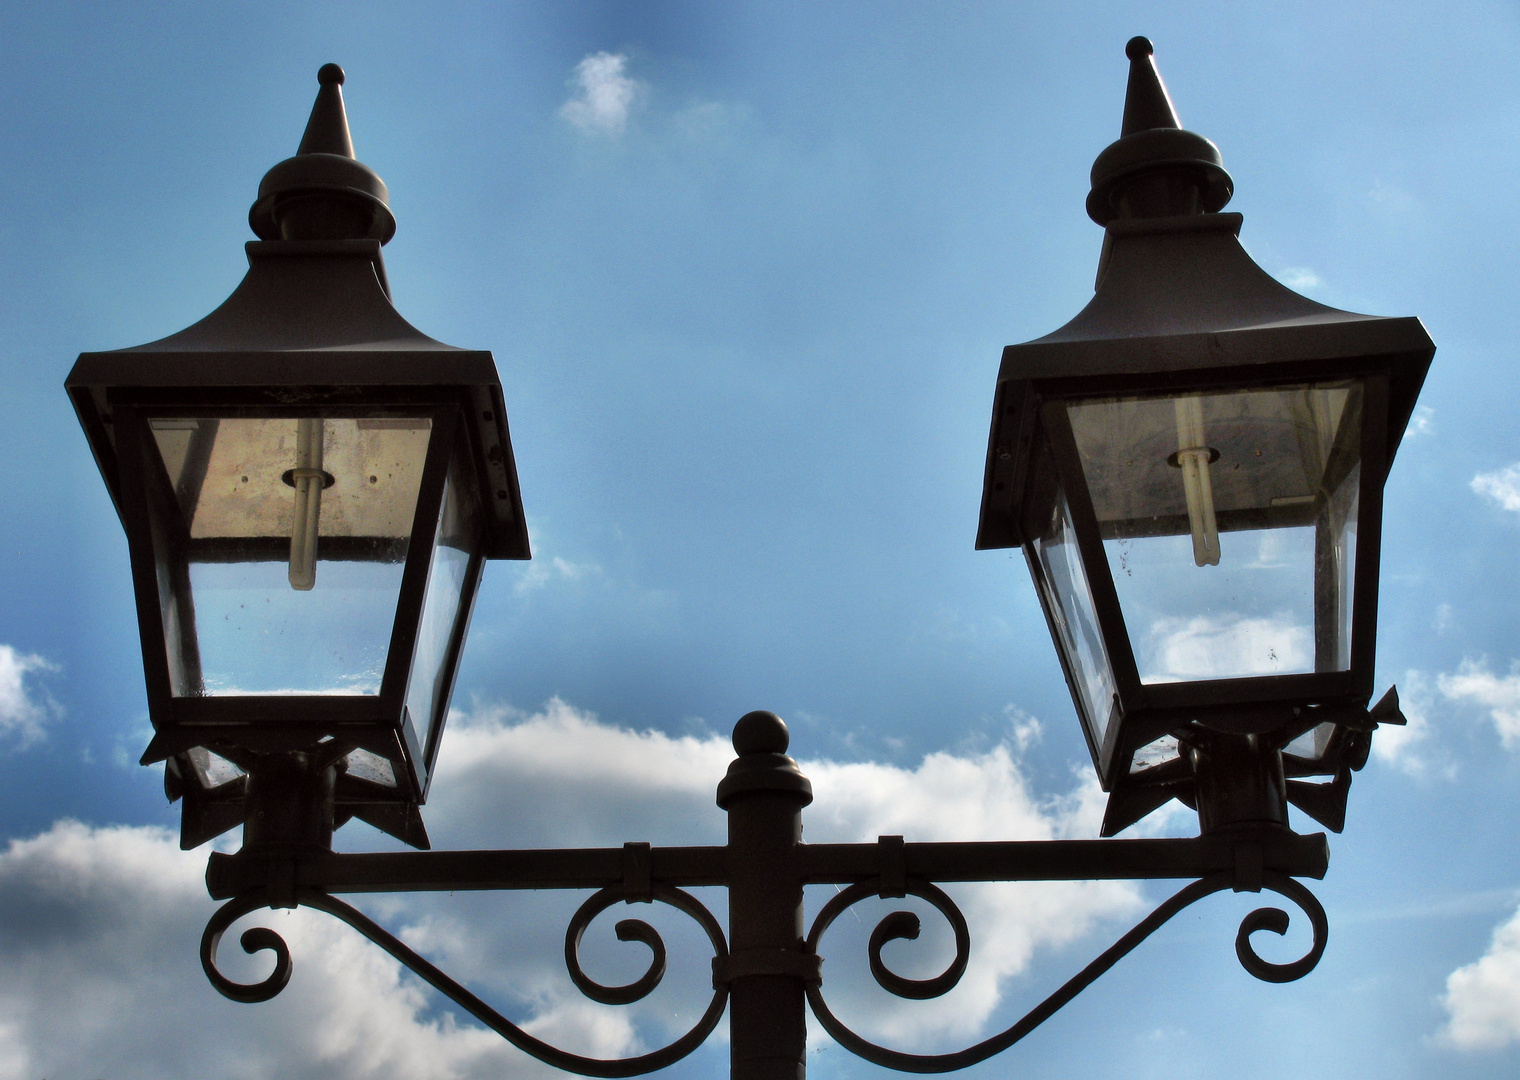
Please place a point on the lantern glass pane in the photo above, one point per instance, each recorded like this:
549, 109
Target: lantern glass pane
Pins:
284, 540
1069, 604
1312, 744
456, 542
1229, 522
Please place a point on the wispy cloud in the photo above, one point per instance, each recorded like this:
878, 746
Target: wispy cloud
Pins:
1300, 278
1421, 422
1483, 998
603, 94
542, 571
24, 706
1501, 485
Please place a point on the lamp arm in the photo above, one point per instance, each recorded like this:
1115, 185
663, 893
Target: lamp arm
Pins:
902, 924
1246, 860
259, 938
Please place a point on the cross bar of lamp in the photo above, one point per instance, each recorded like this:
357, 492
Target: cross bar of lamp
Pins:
820, 864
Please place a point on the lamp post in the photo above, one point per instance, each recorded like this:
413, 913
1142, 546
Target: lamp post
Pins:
1193, 465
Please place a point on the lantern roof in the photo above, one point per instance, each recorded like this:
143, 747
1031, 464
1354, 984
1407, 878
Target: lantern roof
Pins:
1178, 299
312, 322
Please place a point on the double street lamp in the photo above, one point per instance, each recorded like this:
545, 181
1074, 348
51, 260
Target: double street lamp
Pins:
1193, 465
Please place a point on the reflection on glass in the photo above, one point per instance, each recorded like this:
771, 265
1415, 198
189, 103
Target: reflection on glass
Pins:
270, 587
1229, 521
1160, 752
1313, 743
1070, 605
455, 543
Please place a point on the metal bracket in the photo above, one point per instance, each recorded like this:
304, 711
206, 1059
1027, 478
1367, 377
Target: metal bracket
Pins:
791, 963
893, 857
1248, 866
638, 873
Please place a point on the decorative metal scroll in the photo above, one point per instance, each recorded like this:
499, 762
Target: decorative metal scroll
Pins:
902, 924
262, 938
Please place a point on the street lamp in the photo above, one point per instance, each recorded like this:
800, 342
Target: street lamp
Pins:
1194, 466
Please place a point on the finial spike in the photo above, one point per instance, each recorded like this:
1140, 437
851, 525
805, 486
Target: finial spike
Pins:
1155, 168
1147, 105
323, 193
327, 130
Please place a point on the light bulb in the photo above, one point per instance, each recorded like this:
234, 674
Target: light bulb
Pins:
1193, 457
309, 480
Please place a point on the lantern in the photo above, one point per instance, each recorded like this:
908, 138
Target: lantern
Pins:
1194, 466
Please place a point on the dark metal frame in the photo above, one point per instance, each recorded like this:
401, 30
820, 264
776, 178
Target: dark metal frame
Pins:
379, 722
765, 968
1257, 703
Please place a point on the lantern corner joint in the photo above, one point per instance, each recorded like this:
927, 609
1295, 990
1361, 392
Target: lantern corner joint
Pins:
305, 444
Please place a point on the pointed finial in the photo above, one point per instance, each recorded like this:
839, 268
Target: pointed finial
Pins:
1146, 102
327, 130
1155, 169
323, 193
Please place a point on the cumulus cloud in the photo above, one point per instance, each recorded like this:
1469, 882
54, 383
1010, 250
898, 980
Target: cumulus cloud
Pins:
1499, 694
1501, 485
1483, 998
24, 707
98, 926
955, 797
603, 94
98, 939
1421, 422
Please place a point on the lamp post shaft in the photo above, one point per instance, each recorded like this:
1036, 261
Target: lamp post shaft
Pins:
767, 1022
767, 970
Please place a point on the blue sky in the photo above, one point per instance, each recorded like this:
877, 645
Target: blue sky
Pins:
747, 271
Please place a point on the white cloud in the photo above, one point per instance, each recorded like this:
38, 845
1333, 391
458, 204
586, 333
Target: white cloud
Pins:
98, 941
1501, 485
1499, 694
603, 94
98, 927
1421, 422
1403, 747
1483, 998
24, 707
1212, 648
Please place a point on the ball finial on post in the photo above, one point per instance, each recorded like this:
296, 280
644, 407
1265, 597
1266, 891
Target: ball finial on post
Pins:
761, 733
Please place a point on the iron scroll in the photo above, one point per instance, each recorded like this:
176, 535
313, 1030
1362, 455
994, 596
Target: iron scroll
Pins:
902, 924
260, 938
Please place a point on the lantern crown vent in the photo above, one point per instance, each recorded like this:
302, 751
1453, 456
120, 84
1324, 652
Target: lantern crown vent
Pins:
323, 193
1155, 168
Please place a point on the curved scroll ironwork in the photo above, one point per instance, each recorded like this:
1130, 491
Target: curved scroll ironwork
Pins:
252, 941
896, 925
1276, 920
627, 930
